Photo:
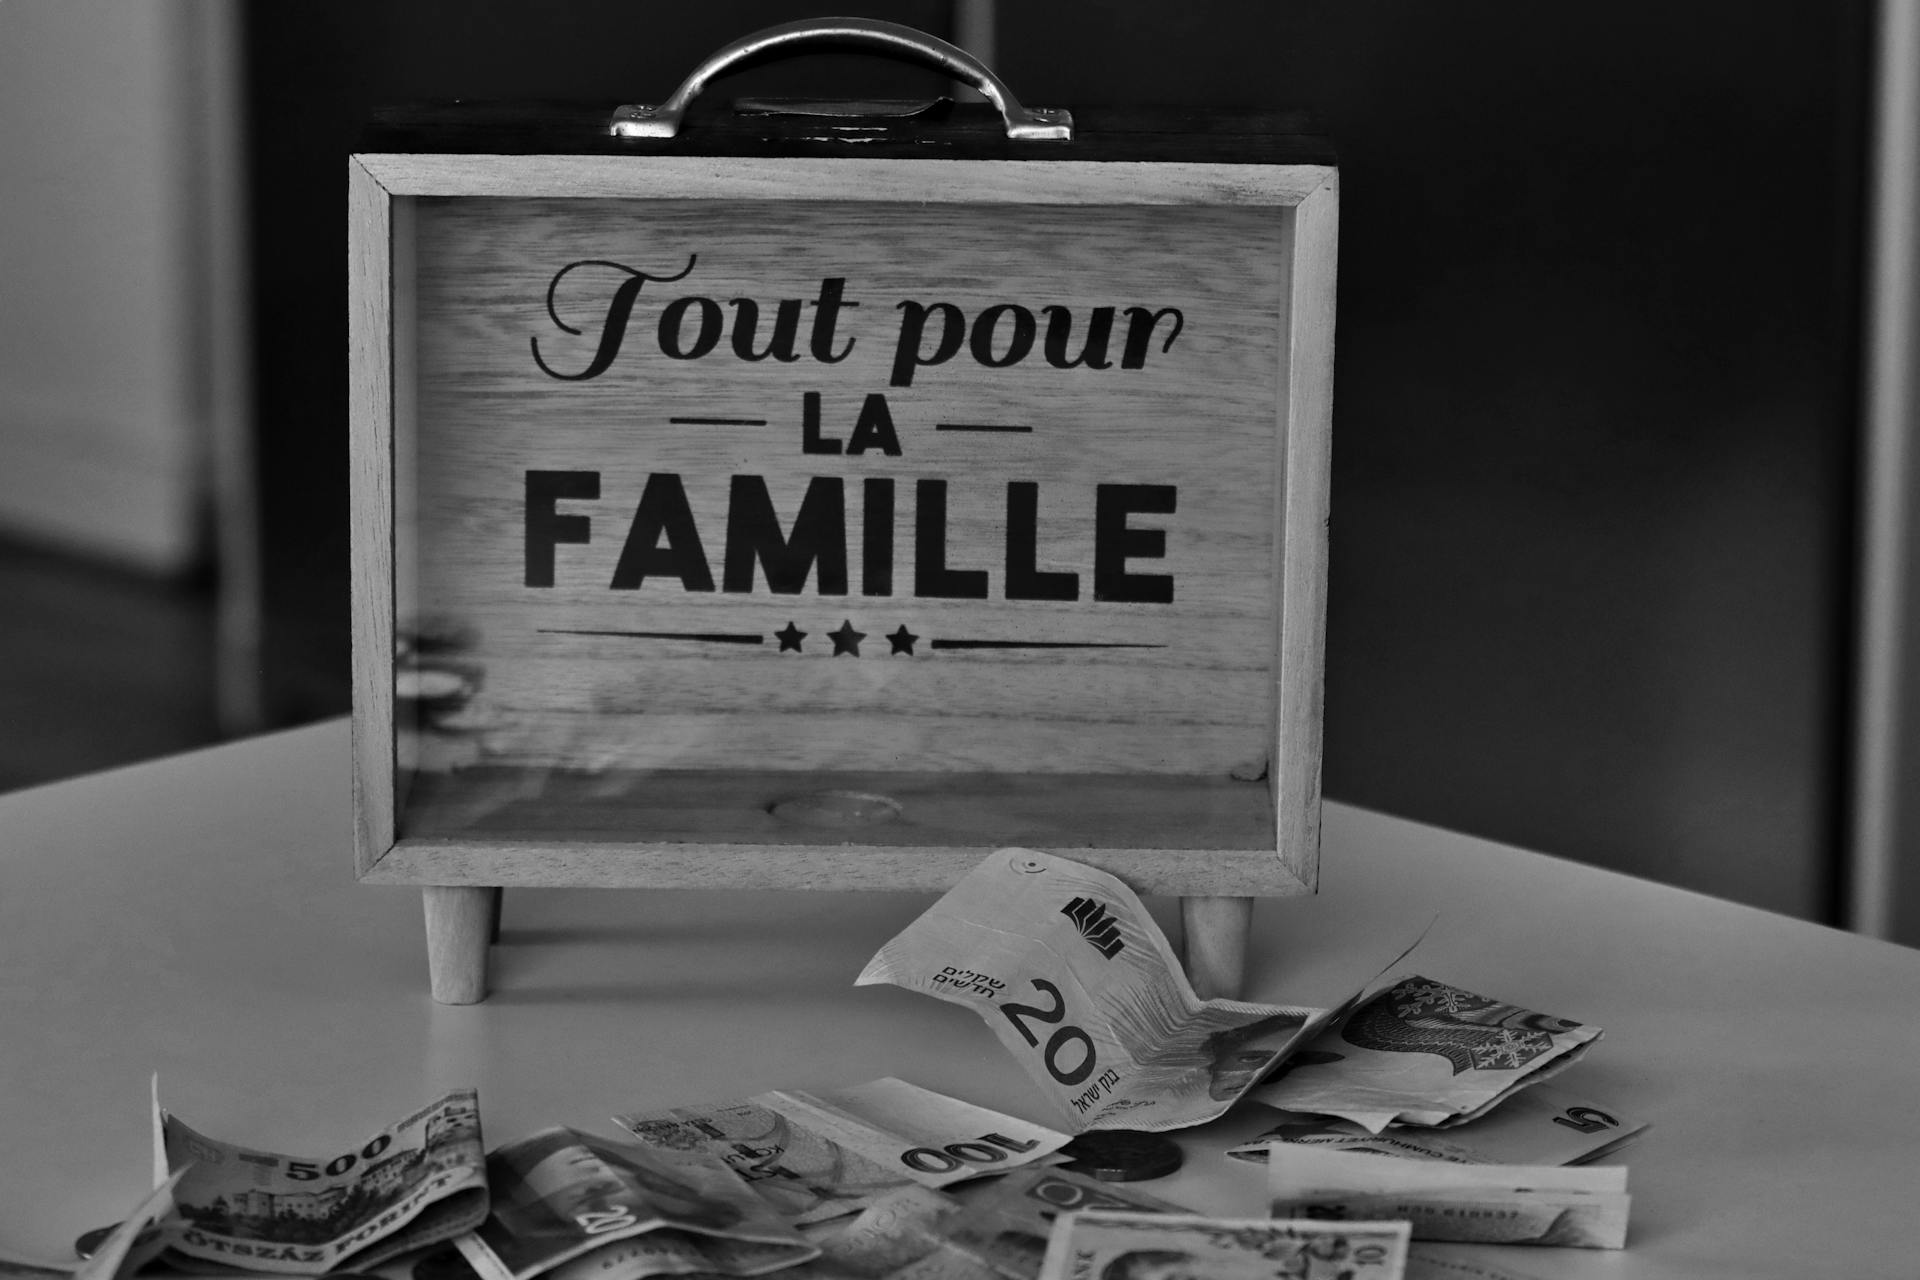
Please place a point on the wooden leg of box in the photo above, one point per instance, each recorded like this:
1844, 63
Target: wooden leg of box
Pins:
499, 902
1216, 944
458, 918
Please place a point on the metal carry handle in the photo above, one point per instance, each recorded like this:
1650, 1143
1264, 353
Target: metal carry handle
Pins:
1024, 124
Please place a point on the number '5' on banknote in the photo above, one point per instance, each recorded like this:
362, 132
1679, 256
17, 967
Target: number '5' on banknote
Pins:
1079, 983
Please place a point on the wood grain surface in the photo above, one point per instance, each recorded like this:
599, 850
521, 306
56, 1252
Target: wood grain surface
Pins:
1028, 571
370, 424
868, 180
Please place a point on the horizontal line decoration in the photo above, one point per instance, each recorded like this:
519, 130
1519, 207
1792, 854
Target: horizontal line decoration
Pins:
705, 637
1040, 644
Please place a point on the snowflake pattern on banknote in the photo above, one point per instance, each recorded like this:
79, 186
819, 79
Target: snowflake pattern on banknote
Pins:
1423, 1016
1419, 996
674, 1135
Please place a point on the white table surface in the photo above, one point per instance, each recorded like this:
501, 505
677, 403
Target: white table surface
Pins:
198, 917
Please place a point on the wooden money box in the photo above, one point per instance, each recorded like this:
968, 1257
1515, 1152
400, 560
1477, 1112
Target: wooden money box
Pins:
820, 495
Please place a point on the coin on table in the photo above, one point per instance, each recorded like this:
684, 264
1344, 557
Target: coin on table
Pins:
444, 1263
1122, 1155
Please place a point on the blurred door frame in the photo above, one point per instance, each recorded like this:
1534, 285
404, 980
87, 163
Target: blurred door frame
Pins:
1883, 856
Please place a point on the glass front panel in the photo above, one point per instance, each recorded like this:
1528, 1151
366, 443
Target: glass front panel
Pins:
816, 522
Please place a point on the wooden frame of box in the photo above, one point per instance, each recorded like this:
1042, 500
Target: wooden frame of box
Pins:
1058, 414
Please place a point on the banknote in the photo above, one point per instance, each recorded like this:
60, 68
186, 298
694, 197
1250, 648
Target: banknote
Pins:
987, 1229
1006, 1222
669, 1253
1581, 1207
816, 1156
1425, 1053
893, 1232
1452, 1262
573, 1205
1542, 1124
1115, 1245
1080, 985
418, 1181
948, 1261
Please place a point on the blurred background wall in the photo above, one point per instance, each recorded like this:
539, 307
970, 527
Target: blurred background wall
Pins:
122, 368
104, 386
1598, 420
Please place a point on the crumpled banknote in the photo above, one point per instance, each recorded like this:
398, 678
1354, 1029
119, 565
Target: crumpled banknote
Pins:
1116, 1243
576, 1206
1079, 983
418, 1181
1425, 1053
817, 1156
1544, 1124
1583, 1207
